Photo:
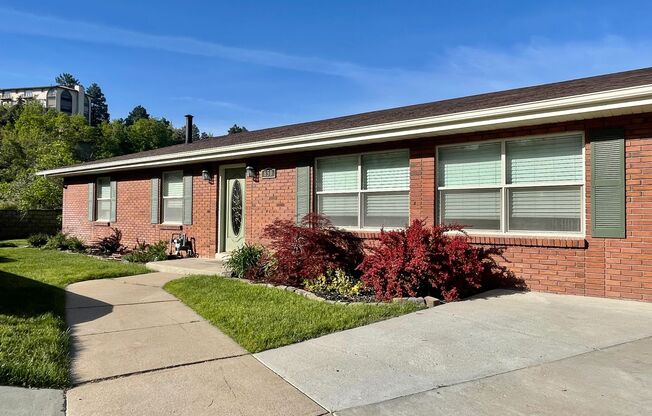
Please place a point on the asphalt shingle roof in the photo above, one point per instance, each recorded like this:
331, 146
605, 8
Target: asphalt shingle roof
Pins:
580, 86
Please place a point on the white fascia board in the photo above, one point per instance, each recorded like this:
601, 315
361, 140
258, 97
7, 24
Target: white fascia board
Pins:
608, 103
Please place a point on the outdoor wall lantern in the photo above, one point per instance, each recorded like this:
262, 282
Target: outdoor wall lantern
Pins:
206, 175
250, 172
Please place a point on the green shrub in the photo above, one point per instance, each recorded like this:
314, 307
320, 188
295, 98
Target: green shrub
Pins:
61, 241
144, 253
244, 260
76, 245
38, 240
335, 282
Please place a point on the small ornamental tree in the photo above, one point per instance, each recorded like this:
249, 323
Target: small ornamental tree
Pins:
438, 260
311, 248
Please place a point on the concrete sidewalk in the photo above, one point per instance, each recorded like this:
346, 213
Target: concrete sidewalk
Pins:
190, 266
504, 353
138, 350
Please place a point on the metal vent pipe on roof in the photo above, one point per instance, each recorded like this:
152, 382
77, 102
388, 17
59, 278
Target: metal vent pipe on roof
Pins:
188, 128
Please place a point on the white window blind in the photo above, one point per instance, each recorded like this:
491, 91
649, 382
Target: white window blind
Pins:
385, 171
367, 191
542, 189
544, 160
341, 209
173, 184
479, 209
173, 197
475, 164
546, 209
103, 194
337, 174
386, 210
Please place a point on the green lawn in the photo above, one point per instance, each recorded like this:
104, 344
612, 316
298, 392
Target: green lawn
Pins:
33, 333
260, 318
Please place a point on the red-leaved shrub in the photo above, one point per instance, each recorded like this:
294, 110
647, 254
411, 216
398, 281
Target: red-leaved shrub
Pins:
311, 248
421, 261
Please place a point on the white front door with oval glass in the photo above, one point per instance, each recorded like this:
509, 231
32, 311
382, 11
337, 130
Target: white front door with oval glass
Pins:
234, 208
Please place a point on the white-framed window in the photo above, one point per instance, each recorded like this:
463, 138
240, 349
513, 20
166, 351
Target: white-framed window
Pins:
51, 101
103, 199
522, 186
367, 190
173, 197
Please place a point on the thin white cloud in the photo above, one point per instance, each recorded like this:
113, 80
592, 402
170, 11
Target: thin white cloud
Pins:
223, 104
460, 70
19, 22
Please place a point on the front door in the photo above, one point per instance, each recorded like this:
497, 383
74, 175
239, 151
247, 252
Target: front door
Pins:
234, 208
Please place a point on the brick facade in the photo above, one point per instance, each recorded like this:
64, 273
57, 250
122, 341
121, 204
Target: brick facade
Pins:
615, 268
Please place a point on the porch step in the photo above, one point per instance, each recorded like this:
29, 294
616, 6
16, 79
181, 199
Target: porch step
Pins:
189, 266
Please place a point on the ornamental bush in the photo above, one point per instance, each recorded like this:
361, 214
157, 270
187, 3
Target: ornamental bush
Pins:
248, 262
144, 253
38, 240
335, 282
61, 241
437, 261
306, 250
110, 244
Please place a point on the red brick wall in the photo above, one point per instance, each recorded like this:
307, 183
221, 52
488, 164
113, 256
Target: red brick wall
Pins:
133, 216
616, 268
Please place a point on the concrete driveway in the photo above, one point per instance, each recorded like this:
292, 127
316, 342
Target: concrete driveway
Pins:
503, 353
137, 350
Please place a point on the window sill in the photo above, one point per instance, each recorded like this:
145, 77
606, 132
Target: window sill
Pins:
100, 223
171, 227
495, 240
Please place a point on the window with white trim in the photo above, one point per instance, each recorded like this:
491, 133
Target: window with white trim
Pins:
173, 197
369, 190
517, 186
103, 199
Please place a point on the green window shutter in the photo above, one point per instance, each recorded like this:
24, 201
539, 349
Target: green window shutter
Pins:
303, 192
112, 216
154, 200
187, 199
91, 201
608, 183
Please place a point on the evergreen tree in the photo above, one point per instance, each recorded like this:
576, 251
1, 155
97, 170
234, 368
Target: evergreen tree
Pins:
139, 112
99, 107
236, 129
67, 80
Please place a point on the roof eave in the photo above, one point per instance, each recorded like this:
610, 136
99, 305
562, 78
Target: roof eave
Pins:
602, 104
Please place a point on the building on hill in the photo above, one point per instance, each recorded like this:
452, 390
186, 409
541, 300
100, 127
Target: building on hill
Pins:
69, 100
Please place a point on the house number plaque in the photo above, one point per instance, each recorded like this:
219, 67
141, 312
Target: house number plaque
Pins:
268, 173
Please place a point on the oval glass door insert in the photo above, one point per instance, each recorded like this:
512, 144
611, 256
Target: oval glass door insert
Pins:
236, 207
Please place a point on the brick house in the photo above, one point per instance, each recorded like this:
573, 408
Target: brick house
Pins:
559, 174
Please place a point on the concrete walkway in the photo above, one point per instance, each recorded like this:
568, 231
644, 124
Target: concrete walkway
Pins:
504, 353
19, 401
138, 350
189, 266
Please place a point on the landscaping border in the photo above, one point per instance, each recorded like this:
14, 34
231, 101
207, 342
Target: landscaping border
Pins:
427, 301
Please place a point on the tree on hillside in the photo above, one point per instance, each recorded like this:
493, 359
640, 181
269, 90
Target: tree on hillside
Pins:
139, 112
66, 79
236, 129
99, 107
38, 139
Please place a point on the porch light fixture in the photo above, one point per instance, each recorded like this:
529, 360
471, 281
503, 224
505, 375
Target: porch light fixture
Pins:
250, 172
206, 175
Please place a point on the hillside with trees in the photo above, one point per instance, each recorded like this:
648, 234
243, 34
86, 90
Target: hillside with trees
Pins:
33, 138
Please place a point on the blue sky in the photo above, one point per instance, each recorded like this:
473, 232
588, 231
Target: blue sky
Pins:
262, 64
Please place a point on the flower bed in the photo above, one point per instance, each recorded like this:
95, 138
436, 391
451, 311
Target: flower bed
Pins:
419, 264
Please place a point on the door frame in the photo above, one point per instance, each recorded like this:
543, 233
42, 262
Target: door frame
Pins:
221, 203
